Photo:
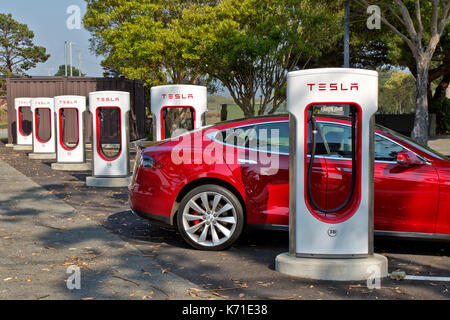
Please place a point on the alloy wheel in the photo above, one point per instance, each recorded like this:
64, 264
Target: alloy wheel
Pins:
209, 219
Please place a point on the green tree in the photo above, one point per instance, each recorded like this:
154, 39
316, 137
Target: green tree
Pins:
124, 32
248, 46
251, 45
420, 25
139, 40
438, 75
369, 49
18, 53
397, 93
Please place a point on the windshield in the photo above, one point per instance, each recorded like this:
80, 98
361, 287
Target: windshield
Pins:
415, 144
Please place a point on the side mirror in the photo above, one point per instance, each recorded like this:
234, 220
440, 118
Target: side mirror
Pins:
408, 158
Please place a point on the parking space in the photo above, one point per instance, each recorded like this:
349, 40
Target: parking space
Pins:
245, 271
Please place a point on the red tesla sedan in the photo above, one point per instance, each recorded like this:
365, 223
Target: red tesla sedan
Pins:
212, 182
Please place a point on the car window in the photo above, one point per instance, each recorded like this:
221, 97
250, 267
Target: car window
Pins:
262, 137
273, 137
321, 148
239, 137
338, 139
265, 137
386, 150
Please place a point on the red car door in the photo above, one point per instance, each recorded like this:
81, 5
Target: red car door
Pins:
266, 186
262, 166
406, 196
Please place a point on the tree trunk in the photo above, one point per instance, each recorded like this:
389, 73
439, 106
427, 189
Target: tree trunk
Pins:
420, 130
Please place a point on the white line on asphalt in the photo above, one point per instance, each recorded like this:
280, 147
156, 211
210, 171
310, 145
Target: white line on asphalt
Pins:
425, 278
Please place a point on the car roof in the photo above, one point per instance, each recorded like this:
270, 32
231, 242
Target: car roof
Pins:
252, 119
273, 117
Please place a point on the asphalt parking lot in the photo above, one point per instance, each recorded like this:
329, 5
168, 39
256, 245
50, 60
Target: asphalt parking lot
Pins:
245, 271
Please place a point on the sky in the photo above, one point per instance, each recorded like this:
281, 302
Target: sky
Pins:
48, 20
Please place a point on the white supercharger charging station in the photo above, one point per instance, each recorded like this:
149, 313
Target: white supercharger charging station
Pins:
331, 243
70, 151
110, 139
43, 113
177, 109
24, 127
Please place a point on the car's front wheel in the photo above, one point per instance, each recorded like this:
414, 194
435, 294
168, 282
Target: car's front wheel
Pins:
210, 217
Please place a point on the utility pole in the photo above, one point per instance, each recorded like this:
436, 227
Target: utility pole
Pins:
70, 54
347, 45
65, 58
347, 35
79, 62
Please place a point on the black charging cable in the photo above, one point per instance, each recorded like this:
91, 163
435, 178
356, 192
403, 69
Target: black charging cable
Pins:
312, 119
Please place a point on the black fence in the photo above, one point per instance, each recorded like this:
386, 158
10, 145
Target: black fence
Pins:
404, 123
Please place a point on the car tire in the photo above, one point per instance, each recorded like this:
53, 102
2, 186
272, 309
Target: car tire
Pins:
210, 217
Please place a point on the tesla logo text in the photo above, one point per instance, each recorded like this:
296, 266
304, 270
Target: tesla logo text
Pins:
106, 99
42, 103
333, 86
68, 102
177, 96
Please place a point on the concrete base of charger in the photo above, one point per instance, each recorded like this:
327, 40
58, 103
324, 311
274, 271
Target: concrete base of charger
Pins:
111, 182
18, 147
71, 166
9, 145
42, 156
332, 269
